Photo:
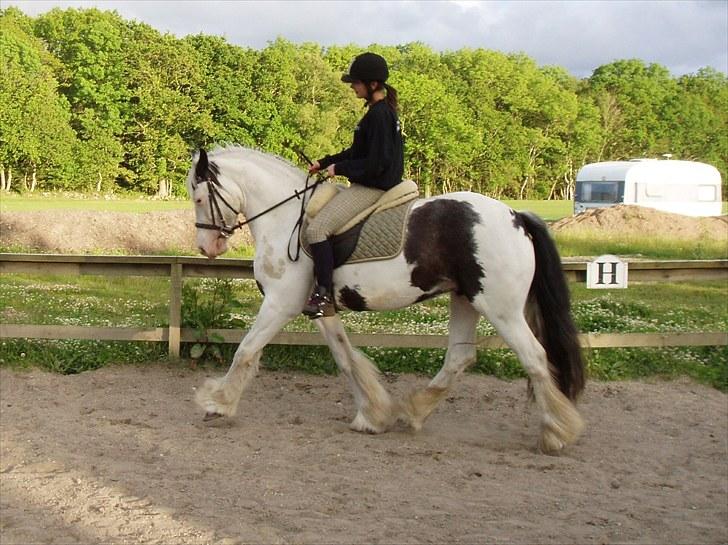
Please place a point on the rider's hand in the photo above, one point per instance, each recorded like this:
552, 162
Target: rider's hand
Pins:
330, 171
314, 168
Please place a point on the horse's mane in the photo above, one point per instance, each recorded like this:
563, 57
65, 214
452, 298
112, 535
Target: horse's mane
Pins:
226, 149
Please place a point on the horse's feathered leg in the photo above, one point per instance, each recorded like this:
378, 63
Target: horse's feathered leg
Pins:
375, 410
461, 353
561, 423
220, 397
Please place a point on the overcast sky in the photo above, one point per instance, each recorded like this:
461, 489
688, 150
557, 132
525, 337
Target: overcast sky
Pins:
579, 35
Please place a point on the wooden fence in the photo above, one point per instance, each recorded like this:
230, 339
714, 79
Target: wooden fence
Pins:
177, 268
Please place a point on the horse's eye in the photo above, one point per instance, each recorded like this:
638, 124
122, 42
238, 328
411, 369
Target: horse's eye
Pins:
198, 201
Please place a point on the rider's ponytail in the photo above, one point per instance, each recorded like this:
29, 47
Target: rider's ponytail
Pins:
391, 97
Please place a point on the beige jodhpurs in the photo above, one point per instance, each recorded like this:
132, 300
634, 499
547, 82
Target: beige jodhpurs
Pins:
339, 210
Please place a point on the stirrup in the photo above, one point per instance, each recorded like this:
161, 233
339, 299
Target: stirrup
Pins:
320, 304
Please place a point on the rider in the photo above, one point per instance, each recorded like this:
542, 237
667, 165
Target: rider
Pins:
373, 164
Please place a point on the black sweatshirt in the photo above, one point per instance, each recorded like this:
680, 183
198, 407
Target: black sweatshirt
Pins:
376, 157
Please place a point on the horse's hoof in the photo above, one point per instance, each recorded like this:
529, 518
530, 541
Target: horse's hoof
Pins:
211, 416
362, 425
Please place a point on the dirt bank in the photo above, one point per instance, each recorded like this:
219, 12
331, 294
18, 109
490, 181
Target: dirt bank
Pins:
637, 220
65, 231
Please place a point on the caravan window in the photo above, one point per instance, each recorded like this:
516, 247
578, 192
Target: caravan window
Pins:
706, 193
599, 192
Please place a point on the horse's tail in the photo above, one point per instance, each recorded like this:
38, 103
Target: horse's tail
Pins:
550, 310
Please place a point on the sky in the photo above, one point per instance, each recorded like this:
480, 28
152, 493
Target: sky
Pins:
579, 35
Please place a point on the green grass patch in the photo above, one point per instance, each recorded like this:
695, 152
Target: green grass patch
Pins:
84, 300
12, 202
76, 356
596, 244
548, 210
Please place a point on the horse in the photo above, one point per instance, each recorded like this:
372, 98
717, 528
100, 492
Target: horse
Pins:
491, 260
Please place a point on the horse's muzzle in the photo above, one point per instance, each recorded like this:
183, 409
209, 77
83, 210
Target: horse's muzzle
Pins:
212, 247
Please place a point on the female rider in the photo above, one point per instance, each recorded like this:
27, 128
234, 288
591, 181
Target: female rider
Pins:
373, 164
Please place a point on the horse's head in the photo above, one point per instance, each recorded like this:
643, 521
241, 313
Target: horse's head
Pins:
216, 211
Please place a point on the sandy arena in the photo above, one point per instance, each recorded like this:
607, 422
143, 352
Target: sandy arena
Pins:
121, 455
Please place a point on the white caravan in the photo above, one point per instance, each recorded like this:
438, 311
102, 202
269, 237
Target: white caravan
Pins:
681, 187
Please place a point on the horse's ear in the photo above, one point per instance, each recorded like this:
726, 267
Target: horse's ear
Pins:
202, 164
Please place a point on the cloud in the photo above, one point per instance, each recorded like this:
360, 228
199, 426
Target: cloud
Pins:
578, 35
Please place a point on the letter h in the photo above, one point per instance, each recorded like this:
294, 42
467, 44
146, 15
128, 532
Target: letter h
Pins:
612, 271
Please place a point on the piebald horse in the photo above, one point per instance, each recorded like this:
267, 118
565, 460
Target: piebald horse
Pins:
491, 260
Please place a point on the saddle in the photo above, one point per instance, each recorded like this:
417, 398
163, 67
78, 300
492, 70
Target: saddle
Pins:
375, 233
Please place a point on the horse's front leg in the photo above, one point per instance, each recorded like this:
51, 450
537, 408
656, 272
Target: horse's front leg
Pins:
375, 410
220, 397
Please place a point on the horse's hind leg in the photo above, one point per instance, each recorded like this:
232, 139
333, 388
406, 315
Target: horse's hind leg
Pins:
560, 421
375, 410
461, 352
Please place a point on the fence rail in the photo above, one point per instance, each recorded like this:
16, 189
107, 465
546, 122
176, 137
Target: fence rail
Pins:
177, 268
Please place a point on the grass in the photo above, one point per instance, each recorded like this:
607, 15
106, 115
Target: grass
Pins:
548, 210
648, 247
87, 300
12, 202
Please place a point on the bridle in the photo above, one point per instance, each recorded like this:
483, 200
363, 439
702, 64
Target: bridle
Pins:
226, 231
213, 194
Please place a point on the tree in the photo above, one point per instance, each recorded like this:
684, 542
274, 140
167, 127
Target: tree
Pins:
633, 98
438, 134
35, 136
227, 74
167, 110
90, 44
582, 145
698, 120
90, 100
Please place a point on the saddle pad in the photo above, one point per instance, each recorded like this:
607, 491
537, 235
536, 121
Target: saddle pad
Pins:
380, 236
399, 194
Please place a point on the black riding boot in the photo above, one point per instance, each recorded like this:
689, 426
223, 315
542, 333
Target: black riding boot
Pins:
321, 302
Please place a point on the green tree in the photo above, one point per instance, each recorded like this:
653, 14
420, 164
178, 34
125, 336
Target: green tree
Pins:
227, 74
633, 98
698, 120
90, 100
167, 111
478, 81
35, 135
582, 145
273, 114
440, 139
90, 44
326, 108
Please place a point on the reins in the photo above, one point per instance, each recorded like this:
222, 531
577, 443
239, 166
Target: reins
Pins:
226, 231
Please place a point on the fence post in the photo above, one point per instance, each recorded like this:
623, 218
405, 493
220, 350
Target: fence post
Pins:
175, 310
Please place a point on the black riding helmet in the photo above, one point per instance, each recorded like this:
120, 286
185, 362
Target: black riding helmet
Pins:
367, 67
